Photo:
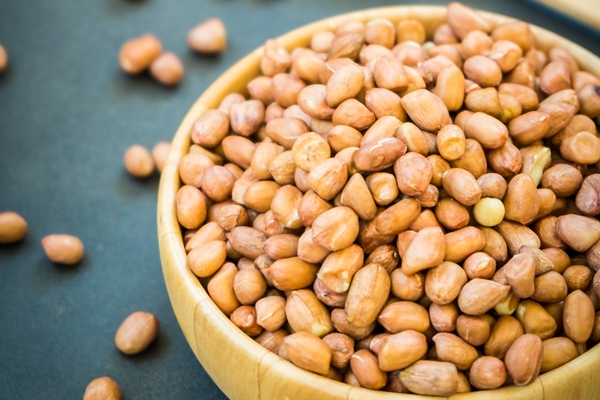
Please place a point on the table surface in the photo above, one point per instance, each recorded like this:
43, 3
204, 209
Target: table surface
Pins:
67, 114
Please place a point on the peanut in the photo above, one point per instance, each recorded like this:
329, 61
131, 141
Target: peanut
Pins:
167, 69
103, 388
13, 227
137, 54
63, 249
138, 161
208, 37
136, 332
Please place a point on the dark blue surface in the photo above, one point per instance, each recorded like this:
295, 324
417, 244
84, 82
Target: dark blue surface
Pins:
67, 113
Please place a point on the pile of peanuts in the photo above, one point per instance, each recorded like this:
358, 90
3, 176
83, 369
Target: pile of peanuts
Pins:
401, 214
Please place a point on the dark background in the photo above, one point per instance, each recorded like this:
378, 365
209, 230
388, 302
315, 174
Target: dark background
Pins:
67, 114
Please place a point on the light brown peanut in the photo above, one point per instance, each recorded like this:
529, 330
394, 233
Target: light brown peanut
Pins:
13, 227
487, 373
368, 292
308, 351
400, 350
104, 388
136, 332
63, 249
431, 378
524, 358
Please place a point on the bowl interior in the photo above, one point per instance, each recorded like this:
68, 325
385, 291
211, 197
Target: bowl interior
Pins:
242, 368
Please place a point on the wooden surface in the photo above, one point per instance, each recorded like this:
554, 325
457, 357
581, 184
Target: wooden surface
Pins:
242, 368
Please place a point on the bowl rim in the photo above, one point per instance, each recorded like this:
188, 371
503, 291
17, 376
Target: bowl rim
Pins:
184, 287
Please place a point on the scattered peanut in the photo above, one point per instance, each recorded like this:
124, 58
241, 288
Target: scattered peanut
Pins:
208, 37
13, 227
103, 388
63, 249
137, 54
138, 161
3, 58
136, 332
167, 69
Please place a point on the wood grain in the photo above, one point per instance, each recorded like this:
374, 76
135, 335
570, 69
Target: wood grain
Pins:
242, 368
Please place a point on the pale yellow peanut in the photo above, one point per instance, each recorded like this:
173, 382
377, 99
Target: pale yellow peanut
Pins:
489, 211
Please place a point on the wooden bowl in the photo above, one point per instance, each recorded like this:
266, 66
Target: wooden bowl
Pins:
242, 368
